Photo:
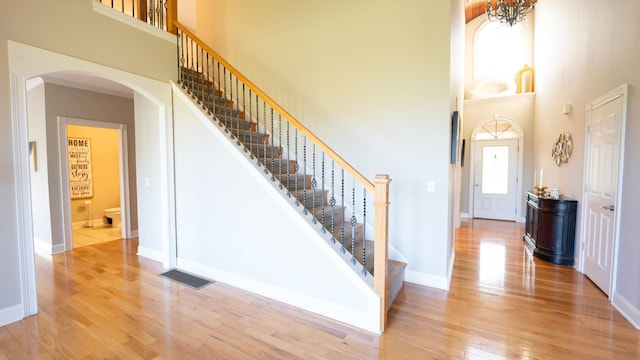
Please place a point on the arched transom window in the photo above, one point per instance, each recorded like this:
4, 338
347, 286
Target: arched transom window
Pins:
496, 129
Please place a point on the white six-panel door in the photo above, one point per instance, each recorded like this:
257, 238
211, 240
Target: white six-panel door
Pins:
605, 120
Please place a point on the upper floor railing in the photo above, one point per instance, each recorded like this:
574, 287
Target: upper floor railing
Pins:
159, 13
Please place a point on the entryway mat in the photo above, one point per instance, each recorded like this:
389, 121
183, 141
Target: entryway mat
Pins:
189, 280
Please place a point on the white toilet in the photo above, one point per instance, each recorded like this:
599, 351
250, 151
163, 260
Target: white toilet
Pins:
112, 216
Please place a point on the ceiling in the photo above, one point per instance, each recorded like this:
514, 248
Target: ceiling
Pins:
474, 8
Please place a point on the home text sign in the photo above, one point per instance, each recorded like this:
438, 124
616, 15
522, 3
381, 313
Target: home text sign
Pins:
80, 177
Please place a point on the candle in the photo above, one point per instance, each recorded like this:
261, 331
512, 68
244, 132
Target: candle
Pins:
535, 177
540, 177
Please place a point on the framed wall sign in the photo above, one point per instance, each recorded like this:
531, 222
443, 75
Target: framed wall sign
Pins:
80, 176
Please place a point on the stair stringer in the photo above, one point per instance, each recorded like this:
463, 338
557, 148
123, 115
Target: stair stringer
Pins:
261, 242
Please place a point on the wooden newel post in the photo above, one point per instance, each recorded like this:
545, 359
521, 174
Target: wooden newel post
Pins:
172, 16
381, 242
142, 10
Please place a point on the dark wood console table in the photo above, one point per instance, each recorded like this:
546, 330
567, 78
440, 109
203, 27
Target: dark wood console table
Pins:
550, 228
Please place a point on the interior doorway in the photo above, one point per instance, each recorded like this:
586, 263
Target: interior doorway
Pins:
496, 169
75, 201
95, 176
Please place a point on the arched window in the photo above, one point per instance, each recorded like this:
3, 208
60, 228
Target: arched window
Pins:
500, 51
496, 129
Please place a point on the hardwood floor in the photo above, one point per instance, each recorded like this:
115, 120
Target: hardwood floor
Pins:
95, 235
102, 301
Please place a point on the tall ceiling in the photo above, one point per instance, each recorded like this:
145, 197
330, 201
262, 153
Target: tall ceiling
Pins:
474, 8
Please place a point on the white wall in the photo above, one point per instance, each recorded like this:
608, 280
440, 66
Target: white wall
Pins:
370, 78
236, 226
36, 113
577, 61
456, 103
151, 160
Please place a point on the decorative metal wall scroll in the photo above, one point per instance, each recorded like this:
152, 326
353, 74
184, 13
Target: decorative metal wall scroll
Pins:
562, 149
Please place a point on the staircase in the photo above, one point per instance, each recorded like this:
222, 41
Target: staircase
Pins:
244, 130
320, 184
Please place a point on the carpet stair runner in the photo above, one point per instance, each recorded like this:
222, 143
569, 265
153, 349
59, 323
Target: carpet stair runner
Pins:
300, 185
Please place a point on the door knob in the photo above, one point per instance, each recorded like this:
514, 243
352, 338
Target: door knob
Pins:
608, 207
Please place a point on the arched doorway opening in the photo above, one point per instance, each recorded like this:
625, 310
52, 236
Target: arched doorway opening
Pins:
154, 149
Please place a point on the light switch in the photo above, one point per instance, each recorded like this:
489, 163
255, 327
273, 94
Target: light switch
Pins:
431, 186
147, 181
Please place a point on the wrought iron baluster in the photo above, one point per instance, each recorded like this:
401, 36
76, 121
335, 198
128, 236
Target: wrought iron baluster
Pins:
152, 20
364, 231
251, 119
295, 167
224, 91
211, 91
332, 202
216, 108
227, 100
180, 55
237, 118
192, 72
281, 150
324, 201
287, 163
314, 182
244, 107
258, 136
342, 210
273, 150
304, 171
162, 9
264, 139
201, 73
353, 223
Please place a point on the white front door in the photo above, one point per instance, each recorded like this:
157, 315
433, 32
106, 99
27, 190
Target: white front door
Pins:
495, 179
605, 121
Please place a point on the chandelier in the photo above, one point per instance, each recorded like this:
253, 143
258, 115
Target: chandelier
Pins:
511, 11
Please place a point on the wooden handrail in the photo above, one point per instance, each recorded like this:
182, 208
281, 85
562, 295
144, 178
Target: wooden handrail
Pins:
330, 152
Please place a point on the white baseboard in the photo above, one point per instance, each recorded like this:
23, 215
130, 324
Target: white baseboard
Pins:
465, 215
434, 281
11, 314
150, 254
626, 308
367, 319
41, 247
57, 249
